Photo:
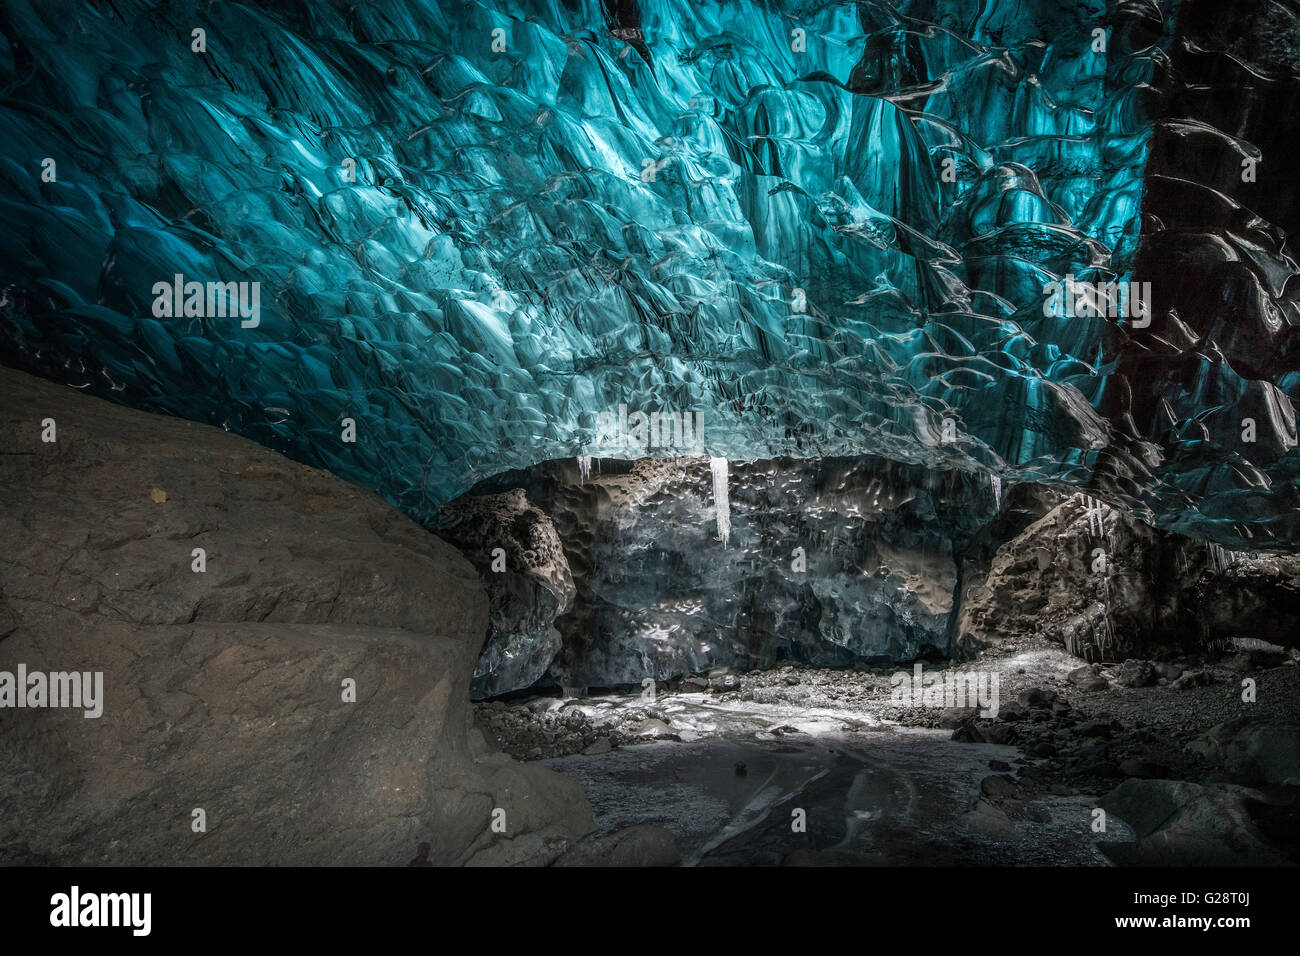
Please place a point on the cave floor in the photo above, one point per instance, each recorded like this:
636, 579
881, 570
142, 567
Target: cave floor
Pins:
875, 796
727, 771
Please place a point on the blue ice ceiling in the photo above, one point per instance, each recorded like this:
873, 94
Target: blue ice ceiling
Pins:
476, 227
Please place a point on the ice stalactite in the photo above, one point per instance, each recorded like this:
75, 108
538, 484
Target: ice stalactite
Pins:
1220, 557
1096, 516
1106, 637
996, 482
584, 467
721, 504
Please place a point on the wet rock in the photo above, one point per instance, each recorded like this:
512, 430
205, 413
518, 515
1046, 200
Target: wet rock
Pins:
1170, 672
994, 732
1095, 750
1254, 750
650, 727
998, 787
1037, 697
1013, 712
1095, 768
1041, 582
1085, 673
986, 819
521, 562
1095, 728
953, 717
1190, 679
1037, 814
1258, 657
1187, 824
600, 746
636, 846
1135, 673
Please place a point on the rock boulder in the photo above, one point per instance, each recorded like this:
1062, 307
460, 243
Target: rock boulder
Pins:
295, 692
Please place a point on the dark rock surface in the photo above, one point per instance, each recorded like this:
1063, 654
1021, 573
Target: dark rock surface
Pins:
1255, 749
837, 563
644, 845
659, 594
1110, 587
223, 690
1182, 824
528, 585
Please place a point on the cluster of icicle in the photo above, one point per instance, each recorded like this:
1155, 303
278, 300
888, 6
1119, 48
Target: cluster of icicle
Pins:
1096, 517
1220, 557
584, 467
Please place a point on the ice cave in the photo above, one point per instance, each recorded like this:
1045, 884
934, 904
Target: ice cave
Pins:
487, 411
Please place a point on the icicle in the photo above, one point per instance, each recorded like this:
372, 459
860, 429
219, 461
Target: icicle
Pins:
1220, 557
1096, 517
584, 467
996, 482
721, 504
1106, 639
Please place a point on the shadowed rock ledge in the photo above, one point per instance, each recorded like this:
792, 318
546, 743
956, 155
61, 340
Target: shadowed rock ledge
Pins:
224, 689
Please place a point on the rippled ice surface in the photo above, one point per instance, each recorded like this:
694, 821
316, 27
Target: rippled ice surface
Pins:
829, 228
478, 226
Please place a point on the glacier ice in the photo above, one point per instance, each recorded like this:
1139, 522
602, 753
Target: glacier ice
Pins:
828, 228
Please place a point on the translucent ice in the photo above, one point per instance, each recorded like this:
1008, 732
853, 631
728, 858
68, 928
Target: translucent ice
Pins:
827, 229
721, 504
